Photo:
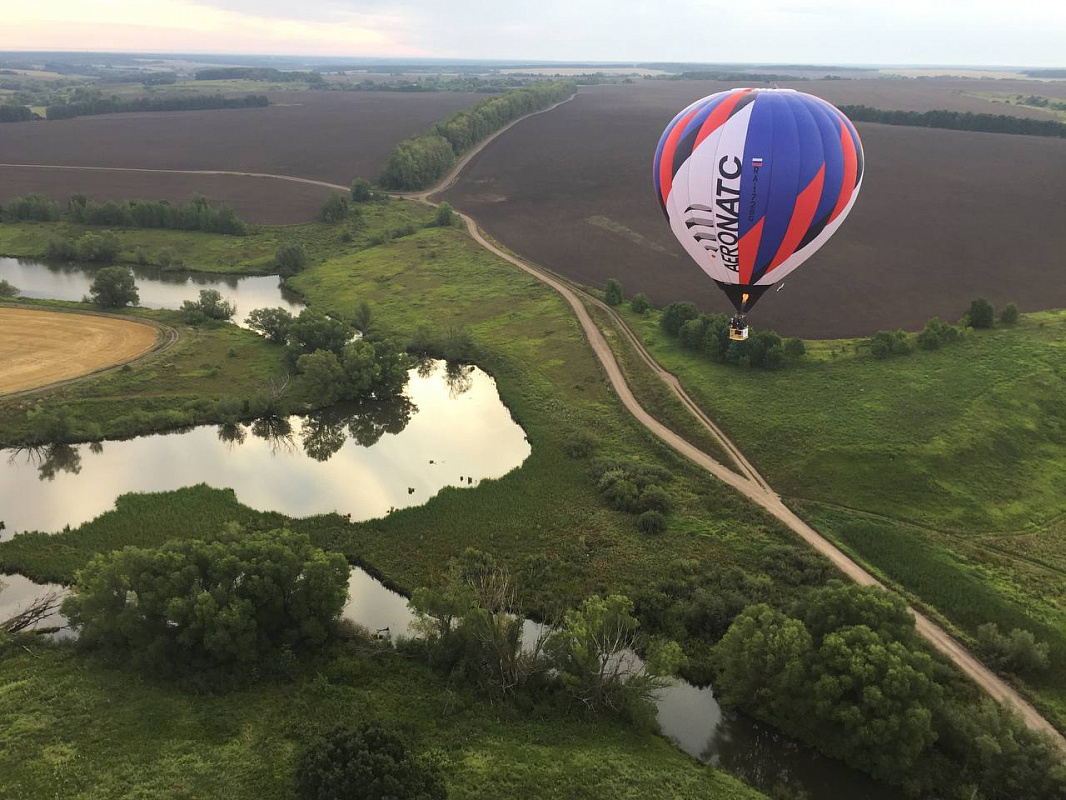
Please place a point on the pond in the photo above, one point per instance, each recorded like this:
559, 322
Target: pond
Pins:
449, 429
157, 288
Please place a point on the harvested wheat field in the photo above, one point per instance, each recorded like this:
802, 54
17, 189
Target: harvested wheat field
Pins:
38, 348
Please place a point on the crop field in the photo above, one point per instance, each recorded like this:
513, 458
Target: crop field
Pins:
263, 201
943, 217
332, 136
38, 348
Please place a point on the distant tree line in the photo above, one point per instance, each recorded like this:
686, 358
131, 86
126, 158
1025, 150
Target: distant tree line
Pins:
98, 104
958, 121
418, 162
12, 113
258, 74
196, 215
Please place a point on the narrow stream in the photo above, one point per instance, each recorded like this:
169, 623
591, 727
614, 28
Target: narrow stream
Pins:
157, 288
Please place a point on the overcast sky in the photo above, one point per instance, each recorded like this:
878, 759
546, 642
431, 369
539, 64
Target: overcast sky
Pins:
975, 32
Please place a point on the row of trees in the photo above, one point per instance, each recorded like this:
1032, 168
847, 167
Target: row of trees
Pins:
96, 103
419, 162
196, 215
709, 334
936, 332
958, 121
844, 672
16, 113
30, 208
258, 74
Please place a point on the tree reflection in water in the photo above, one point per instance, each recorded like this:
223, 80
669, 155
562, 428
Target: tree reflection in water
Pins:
232, 434
459, 378
277, 431
51, 459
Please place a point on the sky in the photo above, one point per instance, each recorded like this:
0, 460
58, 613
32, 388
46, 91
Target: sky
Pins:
913, 32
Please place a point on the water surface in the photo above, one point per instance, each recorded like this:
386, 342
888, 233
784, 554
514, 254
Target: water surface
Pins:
157, 288
450, 429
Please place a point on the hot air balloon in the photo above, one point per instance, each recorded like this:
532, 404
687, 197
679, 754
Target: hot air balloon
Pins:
753, 182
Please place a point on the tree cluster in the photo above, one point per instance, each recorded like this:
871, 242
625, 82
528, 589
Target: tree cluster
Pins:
211, 305
95, 103
231, 602
114, 287
419, 162
30, 208
709, 334
958, 121
16, 113
196, 215
258, 74
636, 489
843, 671
92, 248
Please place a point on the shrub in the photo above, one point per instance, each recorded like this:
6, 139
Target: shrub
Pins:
654, 498
579, 445
981, 314
61, 250
1018, 651
210, 603
114, 287
1009, 314
8, 289
886, 343
98, 247
371, 762
445, 215
612, 293
361, 191
290, 259
773, 358
640, 303
675, 315
334, 209
32, 207
651, 522
794, 347
211, 305
936, 333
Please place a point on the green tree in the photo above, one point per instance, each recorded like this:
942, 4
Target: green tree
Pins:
445, 215
612, 293
640, 303
313, 330
371, 762
273, 323
114, 287
51, 423
290, 259
32, 207
335, 209
1019, 651
887, 343
323, 375
981, 314
594, 652
211, 305
361, 191
675, 315
840, 605
363, 317
97, 248
693, 332
1009, 314
8, 289
794, 347
231, 601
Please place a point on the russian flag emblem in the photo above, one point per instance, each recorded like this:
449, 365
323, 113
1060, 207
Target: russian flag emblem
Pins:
756, 162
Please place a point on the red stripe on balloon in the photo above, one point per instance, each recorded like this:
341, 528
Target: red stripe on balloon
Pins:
851, 165
802, 216
666, 161
718, 117
749, 246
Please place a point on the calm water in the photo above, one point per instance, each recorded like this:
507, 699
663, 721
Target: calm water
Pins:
157, 289
450, 430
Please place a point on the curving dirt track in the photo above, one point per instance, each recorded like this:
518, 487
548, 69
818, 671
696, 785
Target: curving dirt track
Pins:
40, 349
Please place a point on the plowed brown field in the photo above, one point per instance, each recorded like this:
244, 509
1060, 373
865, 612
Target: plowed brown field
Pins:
38, 348
943, 217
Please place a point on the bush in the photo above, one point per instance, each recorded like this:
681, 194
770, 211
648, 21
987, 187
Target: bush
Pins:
579, 445
8, 289
31, 208
114, 287
794, 347
445, 215
61, 250
651, 522
675, 315
1009, 314
371, 762
886, 343
654, 498
335, 209
210, 603
981, 314
98, 247
361, 191
693, 332
640, 303
612, 293
1019, 651
290, 259
936, 333
211, 305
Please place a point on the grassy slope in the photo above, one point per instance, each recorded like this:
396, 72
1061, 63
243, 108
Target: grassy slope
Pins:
187, 378
74, 729
213, 252
968, 443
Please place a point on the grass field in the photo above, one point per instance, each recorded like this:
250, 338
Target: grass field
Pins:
332, 136
571, 190
212, 252
262, 201
942, 469
42, 347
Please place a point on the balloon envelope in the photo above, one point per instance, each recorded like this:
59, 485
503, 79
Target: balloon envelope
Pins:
754, 181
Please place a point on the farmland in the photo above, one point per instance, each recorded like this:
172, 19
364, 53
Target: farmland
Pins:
331, 136
263, 201
922, 240
40, 347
